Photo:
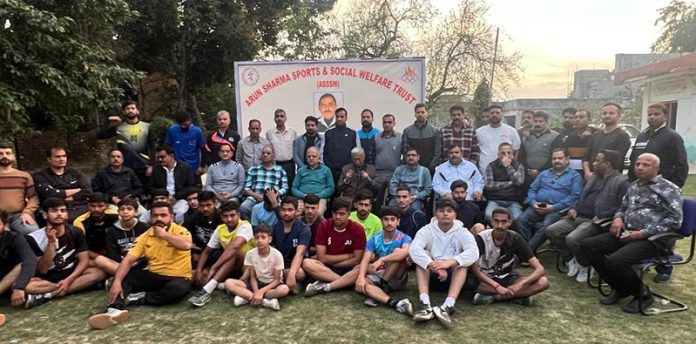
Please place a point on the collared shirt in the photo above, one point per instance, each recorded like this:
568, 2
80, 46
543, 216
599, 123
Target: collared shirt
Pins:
387, 151
561, 190
282, 142
447, 173
465, 139
652, 207
249, 152
171, 184
162, 257
260, 179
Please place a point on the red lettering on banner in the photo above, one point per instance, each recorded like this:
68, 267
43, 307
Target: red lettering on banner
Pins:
328, 84
404, 94
342, 71
278, 81
253, 97
306, 72
376, 78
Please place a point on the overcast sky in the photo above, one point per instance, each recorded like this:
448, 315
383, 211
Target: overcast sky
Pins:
558, 37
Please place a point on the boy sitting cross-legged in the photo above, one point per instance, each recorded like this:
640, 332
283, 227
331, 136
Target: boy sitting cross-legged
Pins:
264, 270
383, 267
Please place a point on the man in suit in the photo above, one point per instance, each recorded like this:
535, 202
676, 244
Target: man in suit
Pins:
173, 175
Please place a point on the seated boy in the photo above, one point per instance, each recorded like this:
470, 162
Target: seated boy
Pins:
63, 265
340, 245
442, 251
235, 238
291, 237
121, 236
383, 267
264, 273
17, 262
499, 248
166, 247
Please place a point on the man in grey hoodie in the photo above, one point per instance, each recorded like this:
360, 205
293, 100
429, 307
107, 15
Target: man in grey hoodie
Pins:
442, 251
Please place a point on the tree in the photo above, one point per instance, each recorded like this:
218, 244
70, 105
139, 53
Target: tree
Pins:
679, 28
460, 53
57, 66
482, 98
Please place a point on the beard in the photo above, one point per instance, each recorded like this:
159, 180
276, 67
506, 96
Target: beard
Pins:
5, 162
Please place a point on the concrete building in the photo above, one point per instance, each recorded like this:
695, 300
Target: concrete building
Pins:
672, 82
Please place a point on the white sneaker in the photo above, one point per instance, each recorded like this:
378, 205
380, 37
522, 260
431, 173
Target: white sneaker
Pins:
271, 304
112, 317
572, 267
583, 273
370, 302
239, 301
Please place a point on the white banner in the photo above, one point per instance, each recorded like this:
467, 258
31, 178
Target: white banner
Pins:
317, 88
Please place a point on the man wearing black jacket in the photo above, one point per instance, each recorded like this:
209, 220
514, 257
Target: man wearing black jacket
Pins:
173, 175
17, 262
664, 142
117, 181
339, 141
63, 182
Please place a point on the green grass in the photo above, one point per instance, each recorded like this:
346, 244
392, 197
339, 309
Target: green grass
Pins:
567, 312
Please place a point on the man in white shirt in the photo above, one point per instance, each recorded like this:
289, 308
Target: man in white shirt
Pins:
492, 135
283, 140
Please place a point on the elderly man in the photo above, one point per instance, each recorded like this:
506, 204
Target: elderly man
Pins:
357, 176
550, 195
652, 206
599, 201
456, 168
314, 178
266, 175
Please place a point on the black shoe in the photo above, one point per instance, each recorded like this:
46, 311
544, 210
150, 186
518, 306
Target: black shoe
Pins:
633, 307
613, 298
662, 278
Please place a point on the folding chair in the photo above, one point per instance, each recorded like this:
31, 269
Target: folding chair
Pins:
664, 244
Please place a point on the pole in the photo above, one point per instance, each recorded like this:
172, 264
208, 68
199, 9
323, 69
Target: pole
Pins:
495, 57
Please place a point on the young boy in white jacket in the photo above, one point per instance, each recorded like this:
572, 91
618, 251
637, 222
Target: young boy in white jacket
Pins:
442, 251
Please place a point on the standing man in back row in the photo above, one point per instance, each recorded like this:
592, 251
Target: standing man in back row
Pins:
134, 139
460, 133
338, 143
492, 135
283, 139
225, 135
425, 138
612, 137
187, 140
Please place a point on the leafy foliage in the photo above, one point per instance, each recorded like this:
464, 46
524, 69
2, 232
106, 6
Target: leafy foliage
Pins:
679, 28
57, 66
482, 98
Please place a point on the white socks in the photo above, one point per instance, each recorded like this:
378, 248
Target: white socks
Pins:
210, 286
425, 298
449, 302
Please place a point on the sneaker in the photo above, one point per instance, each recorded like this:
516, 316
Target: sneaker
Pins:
3, 318
35, 300
613, 298
424, 313
314, 288
112, 317
370, 302
108, 283
443, 314
483, 299
404, 306
572, 267
524, 301
661, 278
633, 307
583, 274
239, 301
135, 299
200, 298
271, 304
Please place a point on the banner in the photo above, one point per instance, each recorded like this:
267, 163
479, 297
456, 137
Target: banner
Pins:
317, 88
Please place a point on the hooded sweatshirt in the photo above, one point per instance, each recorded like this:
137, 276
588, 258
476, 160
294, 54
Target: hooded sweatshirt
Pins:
432, 243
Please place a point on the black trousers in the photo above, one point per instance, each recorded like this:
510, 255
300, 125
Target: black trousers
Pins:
159, 289
614, 260
289, 167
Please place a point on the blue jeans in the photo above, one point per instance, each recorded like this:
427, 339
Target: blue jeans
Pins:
528, 219
514, 207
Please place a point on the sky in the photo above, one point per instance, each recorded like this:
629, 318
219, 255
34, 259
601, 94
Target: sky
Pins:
558, 37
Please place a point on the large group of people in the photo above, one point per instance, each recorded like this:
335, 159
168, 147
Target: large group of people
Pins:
460, 205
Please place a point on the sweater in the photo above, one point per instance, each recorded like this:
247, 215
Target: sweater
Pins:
318, 181
432, 243
417, 179
426, 140
17, 193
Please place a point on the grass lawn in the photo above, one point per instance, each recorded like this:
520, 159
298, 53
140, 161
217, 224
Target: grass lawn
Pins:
567, 312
